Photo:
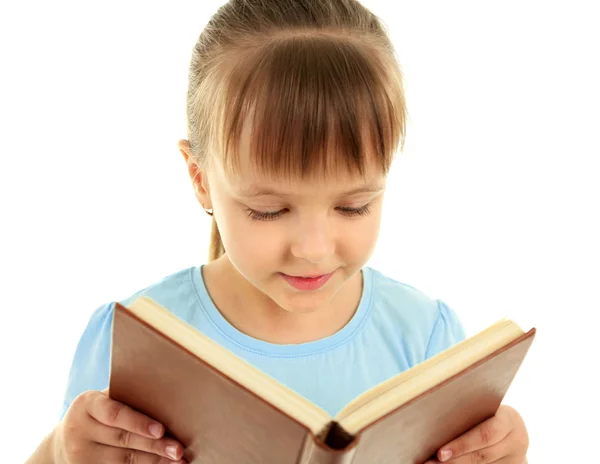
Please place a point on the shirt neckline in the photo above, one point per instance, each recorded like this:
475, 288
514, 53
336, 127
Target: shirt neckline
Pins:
262, 347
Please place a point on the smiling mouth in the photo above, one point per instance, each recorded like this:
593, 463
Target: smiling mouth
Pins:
307, 283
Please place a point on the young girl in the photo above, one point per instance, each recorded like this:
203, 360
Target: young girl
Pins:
295, 109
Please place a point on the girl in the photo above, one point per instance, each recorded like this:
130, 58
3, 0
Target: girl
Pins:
295, 109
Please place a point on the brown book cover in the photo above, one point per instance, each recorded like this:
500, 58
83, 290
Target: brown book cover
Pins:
223, 410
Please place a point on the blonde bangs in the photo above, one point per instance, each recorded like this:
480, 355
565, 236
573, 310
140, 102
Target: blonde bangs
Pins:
316, 103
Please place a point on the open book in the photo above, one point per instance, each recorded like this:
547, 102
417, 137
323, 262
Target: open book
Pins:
225, 410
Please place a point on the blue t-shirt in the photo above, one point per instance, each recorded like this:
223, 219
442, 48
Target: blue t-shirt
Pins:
394, 328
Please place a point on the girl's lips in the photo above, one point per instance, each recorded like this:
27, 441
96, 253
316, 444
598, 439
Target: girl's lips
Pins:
307, 283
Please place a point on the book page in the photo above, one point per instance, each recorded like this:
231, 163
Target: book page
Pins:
390, 394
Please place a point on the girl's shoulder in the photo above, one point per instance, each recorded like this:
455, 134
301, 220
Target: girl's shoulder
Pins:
169, 286
413, 314
399, 297
176, 291
387, 286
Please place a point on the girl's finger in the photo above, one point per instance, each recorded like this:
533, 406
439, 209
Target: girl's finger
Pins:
114, 414
120, 438
484, 435
109, 455
495, 454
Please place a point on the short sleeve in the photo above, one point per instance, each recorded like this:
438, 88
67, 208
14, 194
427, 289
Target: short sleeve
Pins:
447, 331
91, 362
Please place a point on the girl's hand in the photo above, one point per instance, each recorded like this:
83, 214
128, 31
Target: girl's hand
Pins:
502, 439
97, 429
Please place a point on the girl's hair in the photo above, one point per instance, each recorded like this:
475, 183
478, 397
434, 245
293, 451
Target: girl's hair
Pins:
317, 79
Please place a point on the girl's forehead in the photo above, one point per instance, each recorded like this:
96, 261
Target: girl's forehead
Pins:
250, 183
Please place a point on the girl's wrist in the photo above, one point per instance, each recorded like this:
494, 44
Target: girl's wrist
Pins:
53, 448
46, 451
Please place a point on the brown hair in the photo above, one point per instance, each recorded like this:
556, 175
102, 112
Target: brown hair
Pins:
312, 74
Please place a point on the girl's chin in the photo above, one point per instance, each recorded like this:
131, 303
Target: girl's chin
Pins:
302, 303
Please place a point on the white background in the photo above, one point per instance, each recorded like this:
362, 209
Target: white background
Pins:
493, 206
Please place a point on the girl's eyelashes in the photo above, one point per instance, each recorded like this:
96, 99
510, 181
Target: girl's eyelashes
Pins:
264, 216
362, 211
272, 215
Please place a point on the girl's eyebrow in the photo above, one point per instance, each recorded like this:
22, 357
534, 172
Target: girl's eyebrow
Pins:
257, 191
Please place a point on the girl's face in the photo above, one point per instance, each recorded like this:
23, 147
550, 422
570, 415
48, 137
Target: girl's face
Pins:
276, 232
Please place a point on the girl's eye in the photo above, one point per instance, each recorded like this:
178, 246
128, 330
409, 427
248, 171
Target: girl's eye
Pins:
263, 216
362, 211
272, 215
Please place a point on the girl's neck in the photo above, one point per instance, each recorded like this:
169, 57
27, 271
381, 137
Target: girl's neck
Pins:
255, 314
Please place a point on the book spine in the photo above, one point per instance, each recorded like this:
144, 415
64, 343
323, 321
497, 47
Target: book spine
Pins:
315, 452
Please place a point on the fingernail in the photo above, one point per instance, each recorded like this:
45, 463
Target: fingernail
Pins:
171, 451
156, 430
446, 454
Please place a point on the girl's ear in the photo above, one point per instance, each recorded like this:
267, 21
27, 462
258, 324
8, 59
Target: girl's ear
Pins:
197, 175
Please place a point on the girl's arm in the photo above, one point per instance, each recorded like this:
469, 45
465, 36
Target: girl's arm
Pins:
44, 454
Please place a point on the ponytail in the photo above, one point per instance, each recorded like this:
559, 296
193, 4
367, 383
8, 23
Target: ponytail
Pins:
215, 248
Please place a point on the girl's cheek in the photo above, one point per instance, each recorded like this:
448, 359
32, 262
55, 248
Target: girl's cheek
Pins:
361, 239
256, 244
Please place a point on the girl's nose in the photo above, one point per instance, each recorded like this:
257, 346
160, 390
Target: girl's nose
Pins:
313, 240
